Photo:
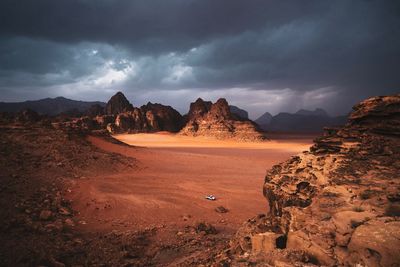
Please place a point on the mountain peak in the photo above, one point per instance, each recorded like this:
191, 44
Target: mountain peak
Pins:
264, 119
118, 103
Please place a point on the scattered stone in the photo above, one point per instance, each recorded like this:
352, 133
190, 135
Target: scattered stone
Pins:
221, 209
45, 215
54, 227
206, 228
186, 217
69, 222
64, 211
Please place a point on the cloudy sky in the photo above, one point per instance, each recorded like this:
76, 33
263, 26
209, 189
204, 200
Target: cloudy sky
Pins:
260, 55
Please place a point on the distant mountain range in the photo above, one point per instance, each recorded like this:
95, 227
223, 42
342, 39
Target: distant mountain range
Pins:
301, 121
50, 106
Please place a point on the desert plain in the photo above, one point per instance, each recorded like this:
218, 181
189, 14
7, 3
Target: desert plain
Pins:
174, 174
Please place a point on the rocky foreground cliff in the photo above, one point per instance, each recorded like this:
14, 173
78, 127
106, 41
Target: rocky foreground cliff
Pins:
336, 205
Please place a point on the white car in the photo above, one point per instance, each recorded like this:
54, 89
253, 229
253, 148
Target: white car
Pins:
211, 197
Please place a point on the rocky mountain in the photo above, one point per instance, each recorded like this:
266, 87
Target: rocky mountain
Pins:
118, 104
264, 119
119, 116
148, 118
301, 121
336, 205
217, 120
49, 106
239, 112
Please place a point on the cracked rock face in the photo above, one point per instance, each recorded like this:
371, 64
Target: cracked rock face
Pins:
339, 203
216, 120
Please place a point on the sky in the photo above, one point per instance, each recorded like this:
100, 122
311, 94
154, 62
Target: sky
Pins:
261, 55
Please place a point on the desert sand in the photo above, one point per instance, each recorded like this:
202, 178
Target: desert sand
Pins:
174, 175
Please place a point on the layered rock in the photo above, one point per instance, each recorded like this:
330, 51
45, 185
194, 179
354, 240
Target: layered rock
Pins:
336, 205
216, 120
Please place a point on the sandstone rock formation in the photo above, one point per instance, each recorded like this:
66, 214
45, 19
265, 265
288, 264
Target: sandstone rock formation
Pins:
336, 205
118, 104
120, 116
168, 119
148, 118
216, 120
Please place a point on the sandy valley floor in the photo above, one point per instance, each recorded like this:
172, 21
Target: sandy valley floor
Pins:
175, 174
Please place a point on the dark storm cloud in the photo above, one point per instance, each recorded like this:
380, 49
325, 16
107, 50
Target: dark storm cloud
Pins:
313, 52
148, 26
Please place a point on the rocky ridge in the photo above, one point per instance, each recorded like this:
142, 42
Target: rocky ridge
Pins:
217, 120
336, 205
120, 116
204, 119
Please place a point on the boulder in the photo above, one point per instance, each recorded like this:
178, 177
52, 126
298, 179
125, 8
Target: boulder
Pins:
264, 242
376, 243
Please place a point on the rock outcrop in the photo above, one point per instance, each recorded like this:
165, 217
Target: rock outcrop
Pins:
119, 116
118, 104
336, 205
148, 118
216, 120
167, 118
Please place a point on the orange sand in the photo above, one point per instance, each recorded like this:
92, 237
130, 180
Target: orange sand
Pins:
174, 175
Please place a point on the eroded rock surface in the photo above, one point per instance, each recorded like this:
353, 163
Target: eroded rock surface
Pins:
120, 116
216, 120
336, 205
